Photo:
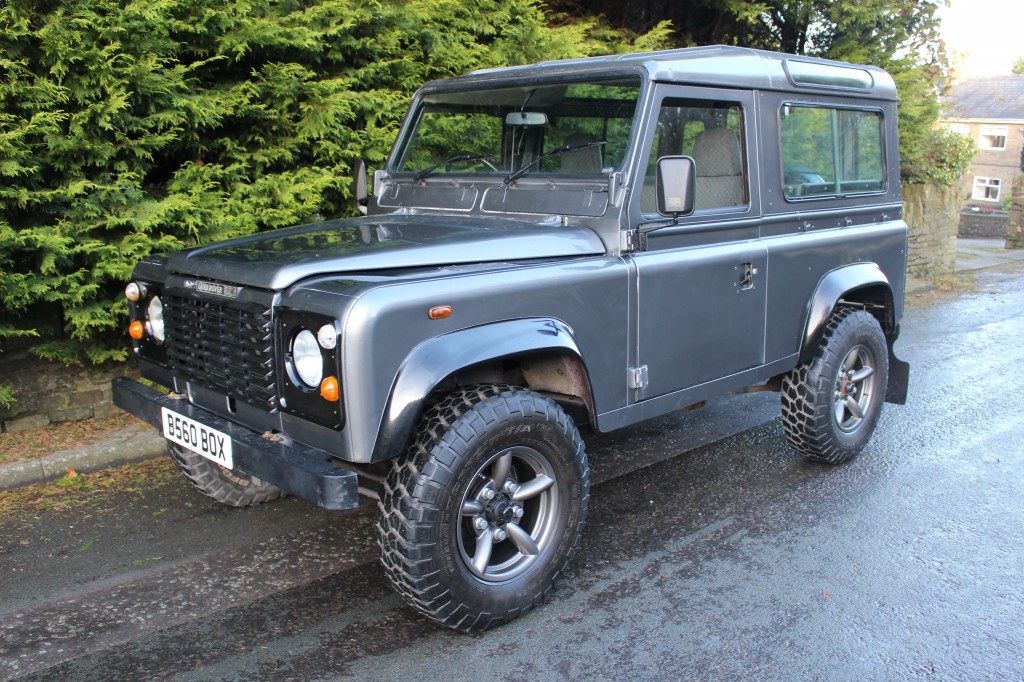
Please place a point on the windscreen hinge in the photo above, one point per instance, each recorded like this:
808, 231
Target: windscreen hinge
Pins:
629, 240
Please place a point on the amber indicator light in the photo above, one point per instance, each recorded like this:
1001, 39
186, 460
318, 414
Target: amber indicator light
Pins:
136, 330
439, 312
329, 389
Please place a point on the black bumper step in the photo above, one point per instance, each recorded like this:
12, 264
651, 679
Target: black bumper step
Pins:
298, 469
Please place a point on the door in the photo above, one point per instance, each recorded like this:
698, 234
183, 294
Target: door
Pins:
701, 283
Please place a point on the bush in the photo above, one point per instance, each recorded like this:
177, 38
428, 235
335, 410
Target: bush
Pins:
940, 156
128, 128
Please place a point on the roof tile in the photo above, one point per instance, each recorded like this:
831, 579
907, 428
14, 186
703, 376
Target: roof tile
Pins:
991, 97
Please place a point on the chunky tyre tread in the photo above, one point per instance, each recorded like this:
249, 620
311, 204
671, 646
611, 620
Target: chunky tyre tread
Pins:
407, 532
806, 391
232, 488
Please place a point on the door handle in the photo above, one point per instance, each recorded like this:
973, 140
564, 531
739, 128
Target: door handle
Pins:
747, 280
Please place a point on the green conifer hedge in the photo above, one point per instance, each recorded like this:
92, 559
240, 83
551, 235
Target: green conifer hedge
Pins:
136, 126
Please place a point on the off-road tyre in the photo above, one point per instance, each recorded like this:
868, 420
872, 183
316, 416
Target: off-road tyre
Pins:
816, 425
430, 547
233, 488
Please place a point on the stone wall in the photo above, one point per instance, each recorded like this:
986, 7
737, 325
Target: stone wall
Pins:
932, 213
1015, 224
49, 392
978, 225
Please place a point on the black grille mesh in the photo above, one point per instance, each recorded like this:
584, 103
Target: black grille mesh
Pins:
226, 347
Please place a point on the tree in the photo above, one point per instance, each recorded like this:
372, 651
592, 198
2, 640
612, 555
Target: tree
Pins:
695, 22
901, 36
1018, 67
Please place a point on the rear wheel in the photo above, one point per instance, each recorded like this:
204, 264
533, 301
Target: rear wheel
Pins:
830, 405
484, 513
229, 487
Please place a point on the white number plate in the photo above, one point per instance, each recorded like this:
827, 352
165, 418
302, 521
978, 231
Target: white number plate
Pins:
209, 443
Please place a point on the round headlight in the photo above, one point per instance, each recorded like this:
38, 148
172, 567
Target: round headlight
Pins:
155, 322
306, 358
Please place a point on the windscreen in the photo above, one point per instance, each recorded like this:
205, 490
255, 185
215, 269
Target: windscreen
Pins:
584, 128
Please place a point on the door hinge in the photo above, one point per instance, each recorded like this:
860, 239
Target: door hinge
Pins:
636, 377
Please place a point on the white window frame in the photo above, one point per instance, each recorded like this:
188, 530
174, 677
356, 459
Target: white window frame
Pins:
960, 128
981, 184
995, 132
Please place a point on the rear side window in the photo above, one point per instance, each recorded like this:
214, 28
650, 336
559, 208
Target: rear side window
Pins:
828, 151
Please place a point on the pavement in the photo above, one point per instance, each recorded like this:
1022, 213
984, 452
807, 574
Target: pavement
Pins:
133, 444
972, 254
138, 443
976, 254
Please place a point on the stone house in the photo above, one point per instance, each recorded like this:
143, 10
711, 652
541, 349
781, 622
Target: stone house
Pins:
991, 111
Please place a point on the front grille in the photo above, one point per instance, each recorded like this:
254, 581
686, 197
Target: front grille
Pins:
226, 347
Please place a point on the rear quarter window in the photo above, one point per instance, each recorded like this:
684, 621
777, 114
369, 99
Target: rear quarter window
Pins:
828, 151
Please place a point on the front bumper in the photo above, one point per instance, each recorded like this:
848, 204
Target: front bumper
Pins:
301, 470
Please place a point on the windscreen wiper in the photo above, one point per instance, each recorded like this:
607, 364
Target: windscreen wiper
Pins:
420, 175
551, 152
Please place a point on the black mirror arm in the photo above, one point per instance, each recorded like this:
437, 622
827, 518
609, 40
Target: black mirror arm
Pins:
644, 228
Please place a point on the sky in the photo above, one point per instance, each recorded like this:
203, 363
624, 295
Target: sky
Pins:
987, 35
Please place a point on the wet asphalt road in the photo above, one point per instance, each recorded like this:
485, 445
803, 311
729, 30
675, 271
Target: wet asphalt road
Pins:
712, 552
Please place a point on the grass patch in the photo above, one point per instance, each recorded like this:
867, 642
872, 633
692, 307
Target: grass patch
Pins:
997, 249
959, 282
78, 492
946, 288
36, 443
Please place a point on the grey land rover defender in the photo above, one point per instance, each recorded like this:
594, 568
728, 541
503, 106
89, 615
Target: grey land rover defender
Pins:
591, 242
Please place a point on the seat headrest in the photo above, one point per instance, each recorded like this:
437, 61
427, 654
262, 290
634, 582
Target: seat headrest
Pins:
585, 160
716, 151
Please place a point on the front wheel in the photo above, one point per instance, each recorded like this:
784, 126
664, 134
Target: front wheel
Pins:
830, 404
233, 488
484, 513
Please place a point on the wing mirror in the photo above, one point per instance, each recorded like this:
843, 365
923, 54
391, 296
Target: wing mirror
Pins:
676, 185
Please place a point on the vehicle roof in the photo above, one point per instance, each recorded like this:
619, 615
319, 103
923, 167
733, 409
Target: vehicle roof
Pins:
714, 65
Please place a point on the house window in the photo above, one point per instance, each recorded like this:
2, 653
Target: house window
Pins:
986, 189
993, 138
960, 128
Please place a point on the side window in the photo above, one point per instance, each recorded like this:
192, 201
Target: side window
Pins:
828, 151
711, 133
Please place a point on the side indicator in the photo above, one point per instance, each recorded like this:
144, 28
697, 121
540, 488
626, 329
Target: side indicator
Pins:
440, 312
329, 389
136, 330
